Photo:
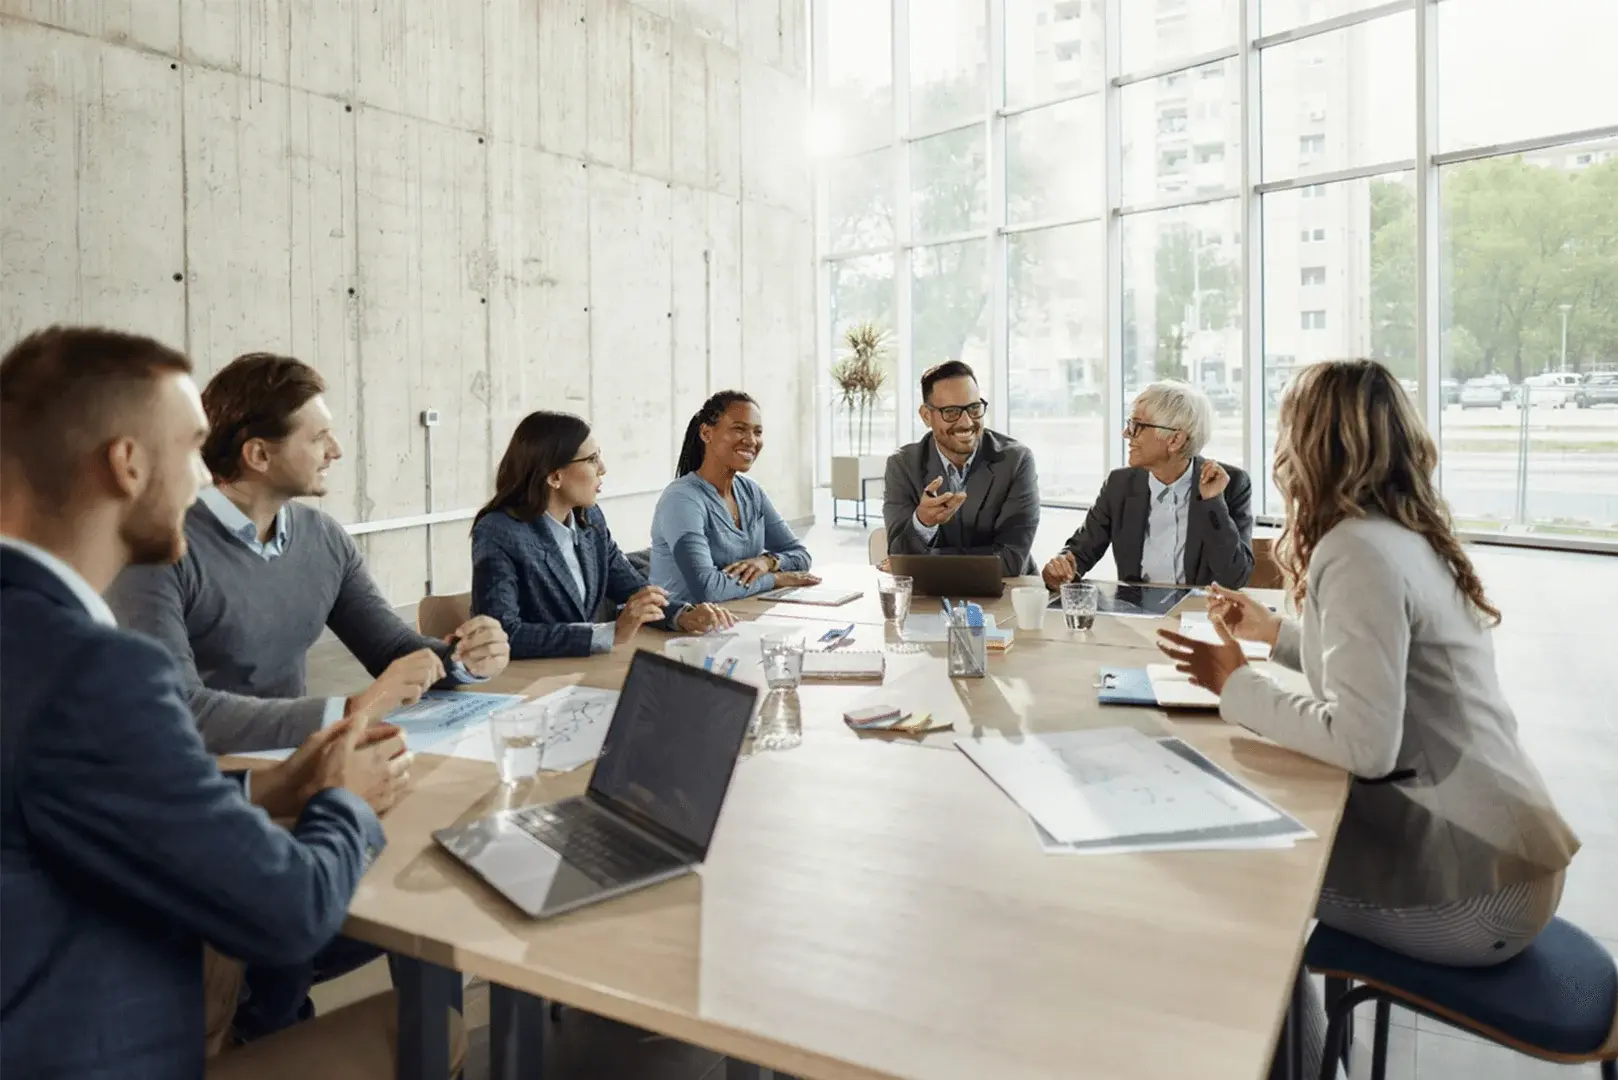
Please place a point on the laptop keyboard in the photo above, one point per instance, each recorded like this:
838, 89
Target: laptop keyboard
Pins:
610, 854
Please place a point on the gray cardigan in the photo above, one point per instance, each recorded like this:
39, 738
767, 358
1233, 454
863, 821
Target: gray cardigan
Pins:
1403, 694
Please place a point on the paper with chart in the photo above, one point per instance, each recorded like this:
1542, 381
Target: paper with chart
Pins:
440, 717
1280, 832
579, 716
1110, 783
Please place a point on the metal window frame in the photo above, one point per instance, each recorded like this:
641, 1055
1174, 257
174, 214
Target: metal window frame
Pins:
1426, 168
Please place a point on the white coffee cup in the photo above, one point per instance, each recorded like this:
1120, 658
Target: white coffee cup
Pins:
687, 650
1028, 602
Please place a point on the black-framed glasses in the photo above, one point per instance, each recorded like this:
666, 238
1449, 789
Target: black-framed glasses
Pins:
952, 413
593, 459
1132, 427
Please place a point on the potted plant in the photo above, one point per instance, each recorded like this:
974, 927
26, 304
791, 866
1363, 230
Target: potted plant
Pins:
859, 376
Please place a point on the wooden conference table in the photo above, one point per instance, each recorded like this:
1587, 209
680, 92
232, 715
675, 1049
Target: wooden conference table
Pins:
875, 908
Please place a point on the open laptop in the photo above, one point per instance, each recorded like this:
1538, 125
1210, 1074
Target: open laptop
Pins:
951, 575
651, 806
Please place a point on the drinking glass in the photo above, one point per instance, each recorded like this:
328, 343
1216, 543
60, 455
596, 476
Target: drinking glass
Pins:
1079, 605
894, 593
519, 740
783, 659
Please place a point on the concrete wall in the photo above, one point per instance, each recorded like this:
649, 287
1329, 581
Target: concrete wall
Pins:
479, 206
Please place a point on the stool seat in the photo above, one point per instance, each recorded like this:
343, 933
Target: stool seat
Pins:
1559, 996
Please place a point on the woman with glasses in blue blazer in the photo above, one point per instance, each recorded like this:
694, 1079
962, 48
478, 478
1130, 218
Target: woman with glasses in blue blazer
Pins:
544, 564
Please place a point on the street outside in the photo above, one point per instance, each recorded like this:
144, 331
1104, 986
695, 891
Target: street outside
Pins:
1572, 478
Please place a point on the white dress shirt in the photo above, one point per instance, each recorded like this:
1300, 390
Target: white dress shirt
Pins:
1162, 559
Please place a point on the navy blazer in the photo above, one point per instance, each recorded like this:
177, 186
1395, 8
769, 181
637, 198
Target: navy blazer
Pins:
520, 581
123, 849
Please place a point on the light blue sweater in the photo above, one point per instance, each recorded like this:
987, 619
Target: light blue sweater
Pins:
694, 538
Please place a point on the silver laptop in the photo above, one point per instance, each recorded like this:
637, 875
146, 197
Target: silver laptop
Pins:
651, 806
952, 575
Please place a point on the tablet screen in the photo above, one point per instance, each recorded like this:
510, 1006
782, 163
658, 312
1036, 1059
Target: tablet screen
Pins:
1142, 601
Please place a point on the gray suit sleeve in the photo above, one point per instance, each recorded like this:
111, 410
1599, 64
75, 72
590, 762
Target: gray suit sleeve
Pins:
901, 495
1227, 547
152, 600
1092, 539
363, 619
1357, 721
1018, 520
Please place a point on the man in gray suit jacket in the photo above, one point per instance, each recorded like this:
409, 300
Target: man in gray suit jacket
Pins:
1172, 516
961, 490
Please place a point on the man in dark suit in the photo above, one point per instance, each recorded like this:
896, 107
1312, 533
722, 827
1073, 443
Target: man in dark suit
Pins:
961, 490
1173, 516
124, 847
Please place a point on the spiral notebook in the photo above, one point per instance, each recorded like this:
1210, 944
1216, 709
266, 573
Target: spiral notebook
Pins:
845, 665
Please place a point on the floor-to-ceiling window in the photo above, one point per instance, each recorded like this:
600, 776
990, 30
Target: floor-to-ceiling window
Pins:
1080, 196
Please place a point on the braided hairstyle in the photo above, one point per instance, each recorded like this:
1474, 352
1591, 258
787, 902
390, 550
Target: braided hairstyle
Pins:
692, 449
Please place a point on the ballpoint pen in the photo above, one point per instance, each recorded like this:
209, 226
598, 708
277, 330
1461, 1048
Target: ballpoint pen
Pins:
843, 636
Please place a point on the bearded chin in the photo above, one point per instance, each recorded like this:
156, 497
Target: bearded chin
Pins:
153, 539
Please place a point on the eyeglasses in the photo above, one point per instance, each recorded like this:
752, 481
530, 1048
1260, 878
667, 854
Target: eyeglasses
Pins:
952, 413
594, 459
1132, 427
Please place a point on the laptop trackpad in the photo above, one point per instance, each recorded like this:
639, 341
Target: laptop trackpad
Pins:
532, 875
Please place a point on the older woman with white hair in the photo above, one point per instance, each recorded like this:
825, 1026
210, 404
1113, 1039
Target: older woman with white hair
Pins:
1171, 517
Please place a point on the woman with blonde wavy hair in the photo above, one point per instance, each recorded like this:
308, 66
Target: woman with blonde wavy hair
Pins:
1450, 850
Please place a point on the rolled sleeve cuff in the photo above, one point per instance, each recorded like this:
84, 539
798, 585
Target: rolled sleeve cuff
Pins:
335, 708
926, 532
601, 637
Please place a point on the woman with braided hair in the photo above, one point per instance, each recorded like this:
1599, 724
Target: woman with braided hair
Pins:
715, 534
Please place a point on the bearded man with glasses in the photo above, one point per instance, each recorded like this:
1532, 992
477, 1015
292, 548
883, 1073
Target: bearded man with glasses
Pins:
1171, 517
961, 489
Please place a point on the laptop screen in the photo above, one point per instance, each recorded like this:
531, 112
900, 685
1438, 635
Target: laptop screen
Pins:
672, 744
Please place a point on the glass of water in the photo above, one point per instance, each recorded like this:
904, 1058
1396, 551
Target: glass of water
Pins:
783, 659
519, 740
1079, 605
894, 593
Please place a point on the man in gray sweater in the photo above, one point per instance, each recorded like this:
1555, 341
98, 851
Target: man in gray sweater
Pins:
263, 574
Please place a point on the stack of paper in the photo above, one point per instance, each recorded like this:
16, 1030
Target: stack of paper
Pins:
1116, 790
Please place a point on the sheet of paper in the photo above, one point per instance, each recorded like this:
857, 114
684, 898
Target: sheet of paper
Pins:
577, 729
440, 716
1110, 783
1196, 626
1280, 832
443, 714
929, 628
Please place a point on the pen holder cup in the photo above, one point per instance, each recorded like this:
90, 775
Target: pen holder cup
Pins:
968, 652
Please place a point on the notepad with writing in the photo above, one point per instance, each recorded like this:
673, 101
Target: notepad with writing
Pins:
845, 665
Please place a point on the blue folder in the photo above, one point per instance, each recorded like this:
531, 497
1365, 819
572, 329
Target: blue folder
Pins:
1125, 686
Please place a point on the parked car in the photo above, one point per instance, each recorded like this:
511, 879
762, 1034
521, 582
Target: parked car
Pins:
1599, 388
1451, 390
1553, 388
1224, 399
1483, 393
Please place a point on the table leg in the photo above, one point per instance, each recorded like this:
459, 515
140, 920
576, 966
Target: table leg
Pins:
516, 1034
425, 993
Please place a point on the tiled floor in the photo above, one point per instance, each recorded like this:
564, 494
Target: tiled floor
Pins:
1556, 655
